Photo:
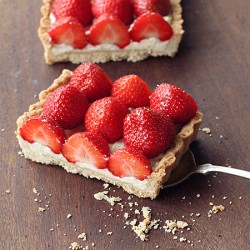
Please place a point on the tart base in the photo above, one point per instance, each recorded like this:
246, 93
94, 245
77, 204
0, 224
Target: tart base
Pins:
149, 188
102, 54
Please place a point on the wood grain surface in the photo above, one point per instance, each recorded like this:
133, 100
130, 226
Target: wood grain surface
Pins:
212, 64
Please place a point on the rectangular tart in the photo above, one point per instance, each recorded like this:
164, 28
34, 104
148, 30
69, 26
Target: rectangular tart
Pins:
162, 165
135, 51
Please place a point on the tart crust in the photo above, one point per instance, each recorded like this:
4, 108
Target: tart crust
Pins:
102, 55
161, 171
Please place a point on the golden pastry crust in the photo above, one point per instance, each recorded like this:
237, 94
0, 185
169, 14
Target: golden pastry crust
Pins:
105, 55
161, 171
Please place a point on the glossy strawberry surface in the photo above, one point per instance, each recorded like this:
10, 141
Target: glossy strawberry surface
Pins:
126, 162
90, 79
67, 106
132, 91
122, 9
149, 25
106, 117
86, 147
162, 7
80, 9
148, 132
45, 131
173, 102
68, 30
109, 30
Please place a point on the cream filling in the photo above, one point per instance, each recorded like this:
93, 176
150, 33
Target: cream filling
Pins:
145, 44
45, 151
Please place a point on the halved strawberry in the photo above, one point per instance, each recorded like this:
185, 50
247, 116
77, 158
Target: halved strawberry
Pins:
148, 132
92, 80
149, 25
67, 106
129, 163
122, 9
106, 116
162, 7
87, 147
174, 102
44, 130
109, 29
132, 91
69, 31
80, 9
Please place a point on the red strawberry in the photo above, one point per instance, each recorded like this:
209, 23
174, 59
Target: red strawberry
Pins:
67, 106
44, 130
129, 163
122, 9
87, 147
106, 116
91, 79
80, 9
162, 7
174, 102
132, 91
150, 25
109, 29
148, 132
69, 31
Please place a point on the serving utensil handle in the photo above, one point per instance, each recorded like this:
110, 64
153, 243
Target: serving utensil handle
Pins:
207, 168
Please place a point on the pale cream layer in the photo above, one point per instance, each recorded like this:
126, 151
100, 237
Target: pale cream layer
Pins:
44, 150
145, 44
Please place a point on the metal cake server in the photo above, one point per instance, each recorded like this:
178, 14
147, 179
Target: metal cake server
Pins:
188, 167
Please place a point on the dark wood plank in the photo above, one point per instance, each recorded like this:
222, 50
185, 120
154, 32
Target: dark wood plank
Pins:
212, 64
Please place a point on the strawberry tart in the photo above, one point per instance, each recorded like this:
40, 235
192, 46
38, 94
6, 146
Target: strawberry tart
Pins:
109, 30
120, 132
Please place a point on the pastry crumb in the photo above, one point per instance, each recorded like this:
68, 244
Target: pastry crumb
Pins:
75, 246
41, 209
110, 199
69, 216
137, 211
82, 236
106, 185
218, 208
183, 239
206, 130
172, 226
35, 191
142, 228
126, 216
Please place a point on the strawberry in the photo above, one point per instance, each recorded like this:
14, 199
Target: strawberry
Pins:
150, 25
174, 102
132, 91
67, 106
43, 130
87, 147
91, 79
162, 7
109, 29
129, 163
106, 116
80, 9
148, 132
69, 31
122, 9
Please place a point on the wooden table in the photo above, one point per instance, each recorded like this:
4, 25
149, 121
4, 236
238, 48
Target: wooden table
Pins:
212, 64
